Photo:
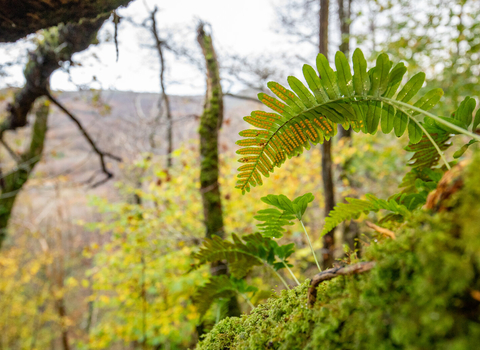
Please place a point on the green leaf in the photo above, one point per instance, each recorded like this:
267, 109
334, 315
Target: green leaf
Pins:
314, 83
415, 133
394, 79
361, 81
305, 95
411, 87
463, 149
380, 75
429, 100
344, 76
400, 123
327, 77
476, 121
465, 110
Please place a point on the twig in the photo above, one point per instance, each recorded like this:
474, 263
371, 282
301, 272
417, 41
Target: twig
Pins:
248, 98
10, 151
381, 230
100, 153
335, 272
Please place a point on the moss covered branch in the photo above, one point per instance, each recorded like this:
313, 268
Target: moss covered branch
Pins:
18, 18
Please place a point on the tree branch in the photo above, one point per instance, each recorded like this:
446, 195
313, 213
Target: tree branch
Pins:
336, 272
102, 155
248, 98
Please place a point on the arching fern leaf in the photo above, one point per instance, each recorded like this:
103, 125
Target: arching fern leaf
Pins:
355, 207
220, 287
306, 116
243, 254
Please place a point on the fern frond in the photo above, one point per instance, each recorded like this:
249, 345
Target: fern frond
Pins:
355, 207
425, 158
217, 287
240, 257
273, 222
307, 116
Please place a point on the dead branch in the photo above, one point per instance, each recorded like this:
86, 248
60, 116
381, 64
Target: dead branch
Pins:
102, 155
381, 230
335, 272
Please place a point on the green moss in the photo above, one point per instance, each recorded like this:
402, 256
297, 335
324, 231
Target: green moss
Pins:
419, 296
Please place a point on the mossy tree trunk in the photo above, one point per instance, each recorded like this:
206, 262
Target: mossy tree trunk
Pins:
328, 185
12, 183
210, 124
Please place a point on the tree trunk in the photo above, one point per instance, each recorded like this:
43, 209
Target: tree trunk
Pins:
328, 186
165, 99
12, 183
344, 14
210, 124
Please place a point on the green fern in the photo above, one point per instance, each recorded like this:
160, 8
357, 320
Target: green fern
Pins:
355, 207
307, 116
425, 159
243, 254
274, 221
218, 288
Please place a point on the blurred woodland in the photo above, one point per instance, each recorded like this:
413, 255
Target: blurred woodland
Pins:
351, 221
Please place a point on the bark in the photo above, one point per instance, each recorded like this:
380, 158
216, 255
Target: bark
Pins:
12, 183
18, 18
210, 123
165, 99
328, 185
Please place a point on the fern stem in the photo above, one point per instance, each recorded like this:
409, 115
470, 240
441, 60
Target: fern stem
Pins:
291, 273
436, 118
279, 276
247, 299
433, 143
311, 246
439, 151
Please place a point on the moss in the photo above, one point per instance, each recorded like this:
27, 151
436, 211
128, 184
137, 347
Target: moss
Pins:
423, 294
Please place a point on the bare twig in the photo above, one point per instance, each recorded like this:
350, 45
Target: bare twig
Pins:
335, 272
381, 230
100, 153
10, 151
248, 98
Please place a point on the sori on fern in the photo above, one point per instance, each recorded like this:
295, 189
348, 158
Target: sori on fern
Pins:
367, 101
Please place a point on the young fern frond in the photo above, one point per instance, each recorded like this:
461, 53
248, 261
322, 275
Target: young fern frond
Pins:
355, 207
364, 101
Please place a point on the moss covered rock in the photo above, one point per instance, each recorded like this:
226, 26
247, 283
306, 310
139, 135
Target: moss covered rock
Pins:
424, 293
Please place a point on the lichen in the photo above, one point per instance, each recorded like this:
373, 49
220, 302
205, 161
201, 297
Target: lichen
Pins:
422, 294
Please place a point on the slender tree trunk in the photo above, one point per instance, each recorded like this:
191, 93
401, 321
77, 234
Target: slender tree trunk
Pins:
210, 124
12, 183
344, 15
328, 186
165, 99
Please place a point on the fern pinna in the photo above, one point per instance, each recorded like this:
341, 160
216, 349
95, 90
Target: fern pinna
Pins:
305, 116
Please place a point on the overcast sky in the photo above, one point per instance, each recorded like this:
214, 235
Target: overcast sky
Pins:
243, 27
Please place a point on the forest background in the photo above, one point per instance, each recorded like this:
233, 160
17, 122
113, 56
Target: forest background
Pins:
97, 255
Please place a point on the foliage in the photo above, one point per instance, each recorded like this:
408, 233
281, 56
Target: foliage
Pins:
355, 207
362, 101
255, 250
422, 294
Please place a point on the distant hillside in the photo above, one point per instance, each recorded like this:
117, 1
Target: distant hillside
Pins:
122, 123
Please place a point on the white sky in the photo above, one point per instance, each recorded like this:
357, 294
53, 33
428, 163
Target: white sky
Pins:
243, 27
238, 26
